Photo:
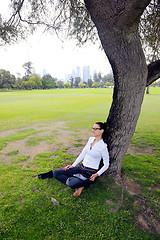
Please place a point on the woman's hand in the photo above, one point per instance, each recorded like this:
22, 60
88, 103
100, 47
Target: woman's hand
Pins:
93, 177
67, 167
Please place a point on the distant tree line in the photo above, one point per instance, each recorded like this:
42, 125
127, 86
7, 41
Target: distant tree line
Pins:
33, 81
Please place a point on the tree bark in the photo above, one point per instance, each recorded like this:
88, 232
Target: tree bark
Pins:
153, 72
121, 43
130, 74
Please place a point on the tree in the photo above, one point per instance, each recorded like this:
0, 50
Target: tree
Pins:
118, 24
108, 78
96, 84
121, 43
7, 80
60, 84
72, 81
95, 77
18, 83
49, 82
34, 82
82, 85
89, 82
67, 85
77, 81
28, 67
108, 84
28, 70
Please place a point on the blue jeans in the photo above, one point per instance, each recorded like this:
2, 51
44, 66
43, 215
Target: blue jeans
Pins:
74, 182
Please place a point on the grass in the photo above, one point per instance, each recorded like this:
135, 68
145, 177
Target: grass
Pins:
145, 169
26, 210
78, 144
19, 159
11, 153
17, 108
26, 199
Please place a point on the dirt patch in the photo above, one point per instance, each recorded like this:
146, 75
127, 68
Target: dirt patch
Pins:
141, 151
131, 186
63, 136
147, 219
72, 139
142, 222
36, 126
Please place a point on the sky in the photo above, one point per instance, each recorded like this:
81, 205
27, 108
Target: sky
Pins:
47, 52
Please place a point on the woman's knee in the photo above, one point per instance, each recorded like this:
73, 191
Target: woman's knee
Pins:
73, 182
57, 172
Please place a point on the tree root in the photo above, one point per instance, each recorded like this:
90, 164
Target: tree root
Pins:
148, 217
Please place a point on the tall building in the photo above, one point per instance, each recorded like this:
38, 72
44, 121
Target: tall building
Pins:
78, 72
73, 73
86, 73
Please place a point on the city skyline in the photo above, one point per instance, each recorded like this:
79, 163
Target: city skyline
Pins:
79, 73
84, 75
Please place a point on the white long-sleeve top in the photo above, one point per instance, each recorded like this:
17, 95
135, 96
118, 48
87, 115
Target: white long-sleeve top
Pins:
91, 156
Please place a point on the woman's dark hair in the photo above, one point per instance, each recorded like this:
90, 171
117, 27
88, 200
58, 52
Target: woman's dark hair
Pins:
102, 126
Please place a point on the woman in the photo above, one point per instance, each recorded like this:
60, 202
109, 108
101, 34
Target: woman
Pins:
82, 176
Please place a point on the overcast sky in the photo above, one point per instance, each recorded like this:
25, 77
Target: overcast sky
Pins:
48, 52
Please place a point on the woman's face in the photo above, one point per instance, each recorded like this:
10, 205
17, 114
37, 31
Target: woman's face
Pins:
97, 131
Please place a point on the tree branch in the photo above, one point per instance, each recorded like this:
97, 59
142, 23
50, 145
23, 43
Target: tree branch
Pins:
153, 72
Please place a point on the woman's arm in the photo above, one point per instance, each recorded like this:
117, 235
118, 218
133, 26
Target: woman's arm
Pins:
82, 154
105, 156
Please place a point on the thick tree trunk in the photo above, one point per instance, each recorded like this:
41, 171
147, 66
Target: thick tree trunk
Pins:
130, 74
122, 46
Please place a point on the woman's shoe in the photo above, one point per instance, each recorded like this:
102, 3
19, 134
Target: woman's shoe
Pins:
46, 175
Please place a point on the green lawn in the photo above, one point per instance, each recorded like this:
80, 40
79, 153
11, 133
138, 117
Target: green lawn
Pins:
21, 108
103, 211
78, 106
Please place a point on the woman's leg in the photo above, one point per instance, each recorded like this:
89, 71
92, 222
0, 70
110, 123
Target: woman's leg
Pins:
82, 183
59, 174
78, 185
63, 175
73, 182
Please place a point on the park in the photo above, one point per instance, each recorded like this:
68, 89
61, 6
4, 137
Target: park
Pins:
44, 125
43, 129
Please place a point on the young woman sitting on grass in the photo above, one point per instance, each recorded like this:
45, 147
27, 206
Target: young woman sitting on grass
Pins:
85, 174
